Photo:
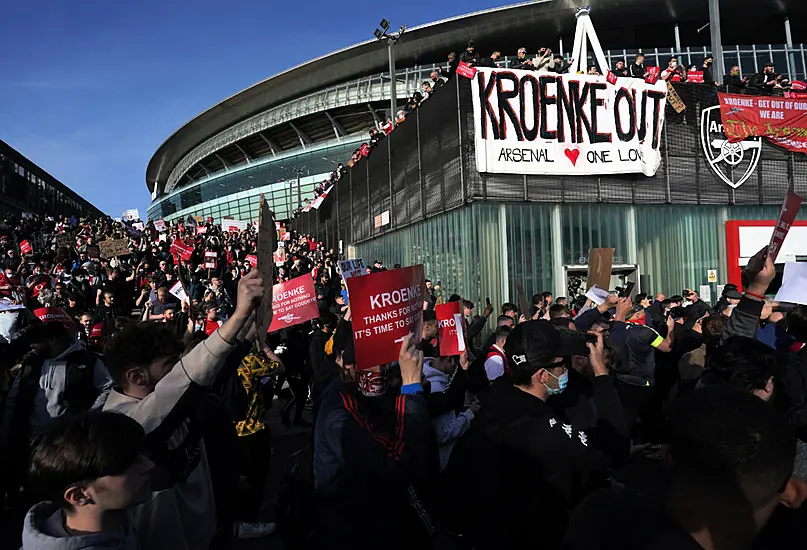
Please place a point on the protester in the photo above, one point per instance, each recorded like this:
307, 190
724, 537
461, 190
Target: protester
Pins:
637, 69
620, 70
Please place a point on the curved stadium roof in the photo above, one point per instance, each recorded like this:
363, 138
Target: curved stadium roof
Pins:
619, 24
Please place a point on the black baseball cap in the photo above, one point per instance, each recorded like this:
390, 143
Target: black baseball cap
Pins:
537, 343
732, 294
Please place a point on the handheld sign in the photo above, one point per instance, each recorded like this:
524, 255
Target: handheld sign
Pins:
252, 259
293, 302
179, 291
352, 268
385, 307
787, 216
184, 251
114, 247
57, 314
600, 262
450, 328
267, 244
25, 248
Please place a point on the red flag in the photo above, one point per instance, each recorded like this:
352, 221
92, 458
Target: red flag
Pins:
25, 248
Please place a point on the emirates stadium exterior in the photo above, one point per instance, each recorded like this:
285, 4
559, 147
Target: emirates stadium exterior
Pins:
420, 197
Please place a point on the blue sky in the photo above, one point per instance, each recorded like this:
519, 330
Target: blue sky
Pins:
89, 89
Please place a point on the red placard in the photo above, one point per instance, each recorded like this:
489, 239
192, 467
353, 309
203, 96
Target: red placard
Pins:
279, 257
610, 77
46, 314
252, 259
201, 229
465, 70
25, 248
385, 307
783, 122
786, 217
450, 328
184, 251
365, 150
652, 75
695, 77
293, 302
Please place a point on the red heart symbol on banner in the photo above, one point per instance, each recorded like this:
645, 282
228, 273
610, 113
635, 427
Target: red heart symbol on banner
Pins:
572, 155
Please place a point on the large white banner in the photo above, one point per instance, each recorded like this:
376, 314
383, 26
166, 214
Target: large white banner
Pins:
233, 225
566, 124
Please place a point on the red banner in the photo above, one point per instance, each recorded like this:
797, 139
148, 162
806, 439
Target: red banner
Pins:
184, 251
782, 121
57, 314
798, 85
252, 259
786, 217
465, 70
450, 328
385, 307
293, 302
25, 248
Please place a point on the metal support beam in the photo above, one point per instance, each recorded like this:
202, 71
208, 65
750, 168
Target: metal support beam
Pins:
791, 57
338, 129
271, 143
302, 136
677, 39
393, 80
224, 162
718, 67
376, 118
246, 156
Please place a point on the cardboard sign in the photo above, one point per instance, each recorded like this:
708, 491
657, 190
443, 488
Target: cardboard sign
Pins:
352, 268
93, 251
293, 302
65, 240
114, 247
25, 248
463, 69
674, 99
385, 307
450, 328
46, 314
179, 291
786, 217
267, 244
548, 136
233, 226
178, 248
159, 225
600, 261
252, 260
781, 122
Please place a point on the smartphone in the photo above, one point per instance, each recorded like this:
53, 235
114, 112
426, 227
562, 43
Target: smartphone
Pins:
487, 301
627, 289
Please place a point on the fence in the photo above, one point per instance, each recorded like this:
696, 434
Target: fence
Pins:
427, 166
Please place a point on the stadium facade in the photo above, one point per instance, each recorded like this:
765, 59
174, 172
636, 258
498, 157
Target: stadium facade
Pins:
27, 188
421, 198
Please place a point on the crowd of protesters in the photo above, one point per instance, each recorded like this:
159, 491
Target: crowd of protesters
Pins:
138, 419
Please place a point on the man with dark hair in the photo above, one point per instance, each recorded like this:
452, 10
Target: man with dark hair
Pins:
153, 386
510, 309
475, 323
620, 70
742, 363
470, 56
59, 379
559, 310
765, 79
729, 465
495, 363
691, 365
528, 466
89, 474
637, 69
492, 60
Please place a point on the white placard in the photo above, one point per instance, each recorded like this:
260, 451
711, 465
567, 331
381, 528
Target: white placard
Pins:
178, 291
566, 124
794, 284
211, 254
352, 268
234, 225
159, 225
705, 292
130, 215
597, 295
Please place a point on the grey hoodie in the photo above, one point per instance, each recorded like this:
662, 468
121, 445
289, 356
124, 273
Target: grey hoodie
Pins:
44, 530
